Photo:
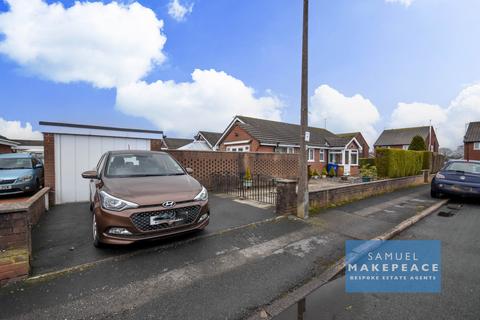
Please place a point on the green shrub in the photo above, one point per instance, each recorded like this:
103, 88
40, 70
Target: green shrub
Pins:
248, 174
315, 173
324, 171
417, 144
366, 162
395, 163
310, 172
368, 171
331, 173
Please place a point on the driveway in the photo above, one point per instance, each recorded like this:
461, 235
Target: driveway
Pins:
62, 238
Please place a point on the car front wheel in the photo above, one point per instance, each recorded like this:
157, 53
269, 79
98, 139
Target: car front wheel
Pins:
434, 194
96, 239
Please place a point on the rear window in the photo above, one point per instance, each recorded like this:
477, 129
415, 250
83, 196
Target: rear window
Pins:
15, 163
467, 167
138, 165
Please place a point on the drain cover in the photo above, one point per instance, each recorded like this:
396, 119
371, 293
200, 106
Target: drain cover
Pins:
446, 214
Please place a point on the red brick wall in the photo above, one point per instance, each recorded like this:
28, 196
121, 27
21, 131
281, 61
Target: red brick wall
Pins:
155, 144
16, 220
470, 153
5, 149
239, 134
340, 195
49, 164
206, 164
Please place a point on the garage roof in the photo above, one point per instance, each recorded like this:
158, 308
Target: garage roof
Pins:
95, 130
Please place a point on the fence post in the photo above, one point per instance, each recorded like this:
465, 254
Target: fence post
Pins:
286, 197
426, 176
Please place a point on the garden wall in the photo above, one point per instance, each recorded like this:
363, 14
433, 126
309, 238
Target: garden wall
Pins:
16, 221
343, 194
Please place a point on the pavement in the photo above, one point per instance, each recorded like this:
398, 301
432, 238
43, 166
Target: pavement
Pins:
226, 275
460, 295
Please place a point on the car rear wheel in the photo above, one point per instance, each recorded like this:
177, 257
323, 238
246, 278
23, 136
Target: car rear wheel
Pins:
96, 239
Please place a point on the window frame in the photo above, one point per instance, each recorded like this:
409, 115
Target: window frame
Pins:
310, 159
244, 147
322, 155
476, 146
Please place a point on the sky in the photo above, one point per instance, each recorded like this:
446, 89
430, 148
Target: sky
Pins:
188, 65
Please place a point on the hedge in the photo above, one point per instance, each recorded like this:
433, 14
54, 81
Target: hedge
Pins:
363, 162
396, 163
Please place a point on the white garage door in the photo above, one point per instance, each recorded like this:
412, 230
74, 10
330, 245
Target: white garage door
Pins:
75, 154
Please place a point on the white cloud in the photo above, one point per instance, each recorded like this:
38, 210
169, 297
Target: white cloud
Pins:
449, 122
405, 3
102, 44
344, 114
178, 11
15, 130
208, 102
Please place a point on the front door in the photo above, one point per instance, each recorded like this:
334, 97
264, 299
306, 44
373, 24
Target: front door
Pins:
346, 167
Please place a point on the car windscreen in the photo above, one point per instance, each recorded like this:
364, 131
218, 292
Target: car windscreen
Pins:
15, 163
138, 165
467, 167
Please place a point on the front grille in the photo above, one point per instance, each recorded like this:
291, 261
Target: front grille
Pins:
9, 181
188, 215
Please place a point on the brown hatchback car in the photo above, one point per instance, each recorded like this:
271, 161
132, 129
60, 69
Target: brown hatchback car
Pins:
140, 195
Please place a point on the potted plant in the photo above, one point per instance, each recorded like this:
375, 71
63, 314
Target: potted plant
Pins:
324, 173
247, 179
310, 173
331, 173
315, 174
368, 173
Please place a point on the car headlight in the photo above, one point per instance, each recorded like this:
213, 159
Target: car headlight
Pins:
202, 196
25, 178
110, 202
439, 176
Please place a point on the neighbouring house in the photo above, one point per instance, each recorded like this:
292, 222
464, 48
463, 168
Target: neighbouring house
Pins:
7, 145
211, 138
360, 139
472, 142
246, 134
174, 143
30, 146
70, 149
401, 138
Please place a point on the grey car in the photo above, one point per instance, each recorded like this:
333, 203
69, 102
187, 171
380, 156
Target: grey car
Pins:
20, 173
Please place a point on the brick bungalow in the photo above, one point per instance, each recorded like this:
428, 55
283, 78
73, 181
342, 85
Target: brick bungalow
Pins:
472, 142
401, 138
7, 145
174, 143
360, 139
246, 134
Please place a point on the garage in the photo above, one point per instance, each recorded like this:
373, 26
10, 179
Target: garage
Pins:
71, 149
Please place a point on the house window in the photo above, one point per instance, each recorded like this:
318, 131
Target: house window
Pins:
322, 155
285, 150
311, 155
476, 146
239, 149
335, 157
354, 157
290, 150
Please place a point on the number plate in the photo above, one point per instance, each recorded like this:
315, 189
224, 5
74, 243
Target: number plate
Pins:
5, 187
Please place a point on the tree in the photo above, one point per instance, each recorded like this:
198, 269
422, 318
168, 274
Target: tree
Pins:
417, 144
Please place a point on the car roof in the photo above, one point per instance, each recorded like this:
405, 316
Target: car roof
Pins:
464, 161
15, 156
135, 152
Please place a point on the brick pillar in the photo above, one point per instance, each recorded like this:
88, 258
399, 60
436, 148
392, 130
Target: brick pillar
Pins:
286, 197
156, 144
49, 165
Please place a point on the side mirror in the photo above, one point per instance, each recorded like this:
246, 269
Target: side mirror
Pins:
189, 170
91, 174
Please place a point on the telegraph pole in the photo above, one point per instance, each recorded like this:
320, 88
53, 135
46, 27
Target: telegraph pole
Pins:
302, 195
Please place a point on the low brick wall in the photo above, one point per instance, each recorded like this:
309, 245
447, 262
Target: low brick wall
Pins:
16, 221
343, 194
206, 164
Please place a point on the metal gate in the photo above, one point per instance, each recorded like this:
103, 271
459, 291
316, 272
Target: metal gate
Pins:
258, 188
